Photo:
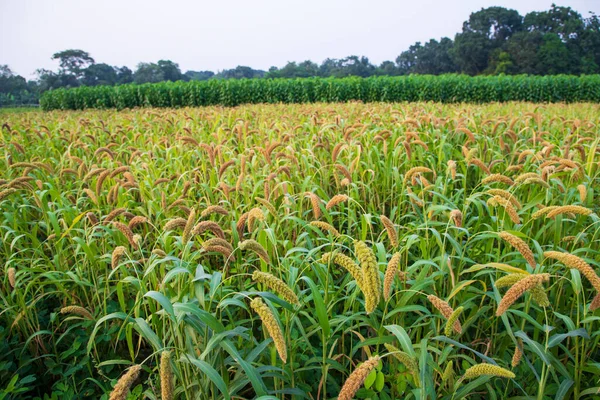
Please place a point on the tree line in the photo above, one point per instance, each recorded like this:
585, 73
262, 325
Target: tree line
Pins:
494, 40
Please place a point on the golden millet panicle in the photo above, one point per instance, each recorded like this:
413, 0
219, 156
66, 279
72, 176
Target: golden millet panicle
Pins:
277, 285
269, 321
595, 304
516, 359
114, 214
166, 376
211, 226
137, 220
335, 200
76, 310
391, 230
214, 209
477, 162
452, 168
267, 205
174, 224
92, 218
457, 217
510, 210
520, 246
122, 387
582, 192
348, 264
189, 224
416, 170
241, 224
218, 249
497, 178
518, 289
452, 320
487, 369
446, 311
568, 210
124, 229
507, 195
510, 279
408, 361
390, 273
448, 375
253, 245
372, 280
12, 277
357, 378
542, 212
315, 202
254, 215
116, 256
324, 226
572, 261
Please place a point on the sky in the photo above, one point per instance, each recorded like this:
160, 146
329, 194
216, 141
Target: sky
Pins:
217, 35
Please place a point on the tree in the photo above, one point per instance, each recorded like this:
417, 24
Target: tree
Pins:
148, 73
522, 48
485, 31
199, 75
171, 71
124, 75
240, 72
388, 68
99, 74
432, 58
9, 82
553, 56
562, 21
73, 61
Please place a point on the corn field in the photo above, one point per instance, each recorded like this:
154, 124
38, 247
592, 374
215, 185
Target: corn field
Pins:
413, 88
299, 251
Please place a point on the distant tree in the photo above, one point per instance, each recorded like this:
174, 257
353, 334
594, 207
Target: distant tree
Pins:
73, 62
590, 45
9, 82
522, 48
562, 21
553, 56
171, 71
124, 75
50, 80
99, 74
148, 73
240, 72
354, 66
485, 31
387, 68
199, 75
432, 58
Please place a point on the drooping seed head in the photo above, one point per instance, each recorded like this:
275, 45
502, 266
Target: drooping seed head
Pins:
357, 378
487, 369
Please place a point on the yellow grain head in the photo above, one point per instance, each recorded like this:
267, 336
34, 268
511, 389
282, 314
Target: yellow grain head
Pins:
357, 378
487, 369
121, 389
270, 322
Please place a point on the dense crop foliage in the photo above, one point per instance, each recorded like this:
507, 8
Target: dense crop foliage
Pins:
375, 251
444, 88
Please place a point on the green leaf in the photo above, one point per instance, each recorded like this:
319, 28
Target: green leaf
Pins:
213, 375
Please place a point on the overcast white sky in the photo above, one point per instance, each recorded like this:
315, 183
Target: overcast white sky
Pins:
215, 35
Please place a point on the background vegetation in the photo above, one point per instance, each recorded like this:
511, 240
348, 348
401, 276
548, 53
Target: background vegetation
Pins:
494, 40
445, 89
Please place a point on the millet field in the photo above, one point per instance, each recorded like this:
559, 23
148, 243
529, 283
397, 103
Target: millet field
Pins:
301, 251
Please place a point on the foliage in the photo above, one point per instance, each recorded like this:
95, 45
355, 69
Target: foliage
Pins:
445, 88
128, 234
